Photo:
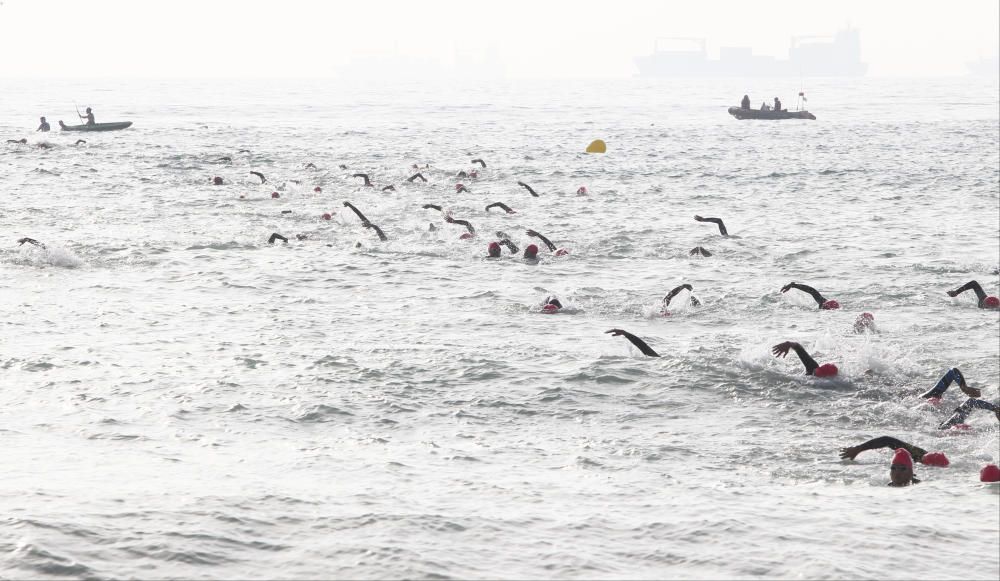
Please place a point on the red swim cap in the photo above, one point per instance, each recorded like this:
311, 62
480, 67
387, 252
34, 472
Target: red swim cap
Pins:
581, 190
473, 174
991, 302
830, 304
550, 308
465, 236
868, 316
562, 252
327, 216
934, 401
459, 186
990, 473
902, 456
494, 247
826, 370
317, 189
531, 251
935, 459
275, 195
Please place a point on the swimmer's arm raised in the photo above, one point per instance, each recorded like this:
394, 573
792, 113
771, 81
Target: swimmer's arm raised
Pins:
972, 285
31, 241
432, 207
722, 227
415, 176
527, 187
381, 235
807, 289
500, 205
639, 343
276, 236
673, 293
552, 247
510, 245
465, 223
781, 349
263, 179
851, 452
480, 162
361, 216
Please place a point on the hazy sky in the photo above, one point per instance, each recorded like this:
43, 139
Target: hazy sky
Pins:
523, 39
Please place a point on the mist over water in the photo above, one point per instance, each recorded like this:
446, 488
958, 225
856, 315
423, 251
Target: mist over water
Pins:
180, 399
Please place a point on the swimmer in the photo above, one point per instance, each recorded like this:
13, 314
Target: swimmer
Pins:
901, 468
417, 175
460, 188
552, 305
44, 127
263, 179
468, 226
812, 368
276, 236
310, 165
432, 207
493, 250
527, 187
389, 189
722, 227
44, 145
502, 206
462, 174
698, 250
342, 166
918, 454
530, 252
79, 141
670, 295
22, 141
552, 247
646, 349
32, 241
243, 151
366, 222
962, 412
985, 302
217, 181
865, 323
953, 375
510, 245
479, 161
822, 302
224, 159
364, 176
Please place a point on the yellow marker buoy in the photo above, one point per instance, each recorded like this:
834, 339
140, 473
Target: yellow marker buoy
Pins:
597, 146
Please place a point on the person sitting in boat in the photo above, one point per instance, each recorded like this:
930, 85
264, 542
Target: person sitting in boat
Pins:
89, 117
765, 107
44, 126
777, 104
745, 103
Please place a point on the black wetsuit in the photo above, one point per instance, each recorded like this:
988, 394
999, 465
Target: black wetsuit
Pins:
639, 343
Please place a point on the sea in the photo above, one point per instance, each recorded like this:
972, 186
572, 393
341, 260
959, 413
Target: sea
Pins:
180, 399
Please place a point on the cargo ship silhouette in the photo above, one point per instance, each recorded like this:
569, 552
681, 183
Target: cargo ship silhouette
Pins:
811, 56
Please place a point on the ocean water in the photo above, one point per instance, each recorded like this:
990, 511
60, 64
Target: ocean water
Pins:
181, 399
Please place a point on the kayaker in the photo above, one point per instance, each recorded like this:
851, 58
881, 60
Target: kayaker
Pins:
89, 117
985, 302
44, 126
745, 103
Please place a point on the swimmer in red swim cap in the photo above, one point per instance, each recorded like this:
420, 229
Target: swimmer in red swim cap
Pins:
822, 302
552, 305
990, 473
865, 323
548, 243
531, 252
937, 459
581, 191
217, 181
460, 188
471, 231
812, 368
493, 250
985, 302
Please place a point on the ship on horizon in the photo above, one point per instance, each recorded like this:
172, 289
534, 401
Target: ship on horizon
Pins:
811, 56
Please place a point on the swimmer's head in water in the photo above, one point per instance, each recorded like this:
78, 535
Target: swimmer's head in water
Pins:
327, 216
830, 305
826, 370
466, 236
582, 190
531, 251
458, 187
937, 459
317, 189
494, 249
901, 469
275, 195
864, 322
550, 308
990, 473
562, 252
217, 181
991, 302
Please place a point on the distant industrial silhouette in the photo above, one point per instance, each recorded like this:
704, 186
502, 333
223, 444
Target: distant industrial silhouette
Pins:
838, 56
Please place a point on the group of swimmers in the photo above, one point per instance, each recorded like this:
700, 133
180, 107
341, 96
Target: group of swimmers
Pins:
901, 469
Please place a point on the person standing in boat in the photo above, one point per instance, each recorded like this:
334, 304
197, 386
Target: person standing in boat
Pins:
745, 103
44, 126
89, 117
777, 104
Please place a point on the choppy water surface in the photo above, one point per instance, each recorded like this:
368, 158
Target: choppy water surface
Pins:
181, 399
